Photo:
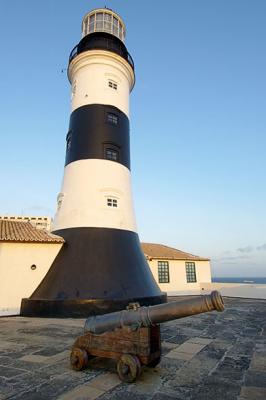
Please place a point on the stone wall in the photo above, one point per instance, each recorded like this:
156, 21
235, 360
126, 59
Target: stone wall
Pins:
245, 290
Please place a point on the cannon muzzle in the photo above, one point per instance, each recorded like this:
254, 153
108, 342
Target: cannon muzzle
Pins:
148, 316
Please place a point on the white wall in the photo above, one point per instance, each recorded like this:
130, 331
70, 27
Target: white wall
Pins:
178, 282
252, 291
17, 279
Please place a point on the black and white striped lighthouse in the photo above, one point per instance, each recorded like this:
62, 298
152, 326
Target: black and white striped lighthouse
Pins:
101, 267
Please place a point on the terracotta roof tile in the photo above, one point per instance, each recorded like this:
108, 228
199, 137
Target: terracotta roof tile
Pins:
16, 231
159, 251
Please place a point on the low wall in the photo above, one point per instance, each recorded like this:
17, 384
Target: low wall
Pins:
245, 290
192, 292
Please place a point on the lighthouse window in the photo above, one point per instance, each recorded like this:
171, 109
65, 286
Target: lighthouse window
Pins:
74, 88
111, 202
111, 154
68, 140
115, 27
112, 118
163, 272
99, 21
107, 22
120, 31
191, 272
59, 200
112, 84
86, 26
91, 25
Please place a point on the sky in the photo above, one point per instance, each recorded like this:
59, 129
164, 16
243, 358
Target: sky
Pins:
197, 119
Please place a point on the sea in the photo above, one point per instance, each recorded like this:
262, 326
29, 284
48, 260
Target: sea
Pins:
239, 279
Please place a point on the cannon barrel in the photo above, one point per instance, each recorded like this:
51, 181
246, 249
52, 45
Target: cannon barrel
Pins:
147, 316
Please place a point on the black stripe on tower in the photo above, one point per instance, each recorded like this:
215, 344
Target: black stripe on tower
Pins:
102, 41
100, 132
98, 270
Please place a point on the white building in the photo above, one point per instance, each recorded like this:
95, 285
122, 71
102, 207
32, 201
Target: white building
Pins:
175, 271
36, 221
26, 254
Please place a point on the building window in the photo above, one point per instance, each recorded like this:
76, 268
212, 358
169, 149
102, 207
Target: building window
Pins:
191, 272
111, 202
163, 272
112, 84
112, 118
111, 154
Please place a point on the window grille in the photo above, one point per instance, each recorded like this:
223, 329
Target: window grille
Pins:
112, 118
163, 272
112, 84
191, 272
111, 154
112, 202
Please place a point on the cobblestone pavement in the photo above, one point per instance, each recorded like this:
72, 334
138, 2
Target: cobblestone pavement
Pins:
214, 355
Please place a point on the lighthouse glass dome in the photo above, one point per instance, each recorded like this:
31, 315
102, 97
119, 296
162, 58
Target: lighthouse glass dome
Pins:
103, 20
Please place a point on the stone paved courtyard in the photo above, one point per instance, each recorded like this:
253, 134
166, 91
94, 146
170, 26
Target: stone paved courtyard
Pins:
219, 356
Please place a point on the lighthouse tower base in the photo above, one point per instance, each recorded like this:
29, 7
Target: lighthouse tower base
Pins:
97, 271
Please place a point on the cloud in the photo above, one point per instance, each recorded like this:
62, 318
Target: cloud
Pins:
247, 249
262, 247
235, 259
247, 253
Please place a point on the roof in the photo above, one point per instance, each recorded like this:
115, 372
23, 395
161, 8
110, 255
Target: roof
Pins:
18, 231
160, 251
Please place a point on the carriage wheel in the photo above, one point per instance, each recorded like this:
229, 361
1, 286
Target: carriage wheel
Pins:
78, 359
128, 368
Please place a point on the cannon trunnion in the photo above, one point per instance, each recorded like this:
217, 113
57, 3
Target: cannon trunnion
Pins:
132, 336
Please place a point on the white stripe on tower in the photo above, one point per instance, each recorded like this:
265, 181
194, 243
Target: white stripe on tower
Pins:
88, 185
92, 75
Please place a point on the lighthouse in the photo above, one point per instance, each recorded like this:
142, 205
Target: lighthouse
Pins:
101, 267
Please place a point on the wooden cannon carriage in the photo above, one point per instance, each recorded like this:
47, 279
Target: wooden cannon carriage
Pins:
132, 336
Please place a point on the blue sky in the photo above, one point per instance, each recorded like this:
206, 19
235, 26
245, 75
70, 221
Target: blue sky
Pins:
197, 119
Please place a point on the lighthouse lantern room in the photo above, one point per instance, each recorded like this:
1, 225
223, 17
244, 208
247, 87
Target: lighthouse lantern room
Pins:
101, 267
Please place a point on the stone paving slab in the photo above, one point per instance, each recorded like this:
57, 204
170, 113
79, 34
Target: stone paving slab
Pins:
188, 349
212, 355
199, 340
86, 391
46, 359
258, 361
252, 393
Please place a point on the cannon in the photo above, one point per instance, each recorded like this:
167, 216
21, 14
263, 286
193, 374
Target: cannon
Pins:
132, 336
